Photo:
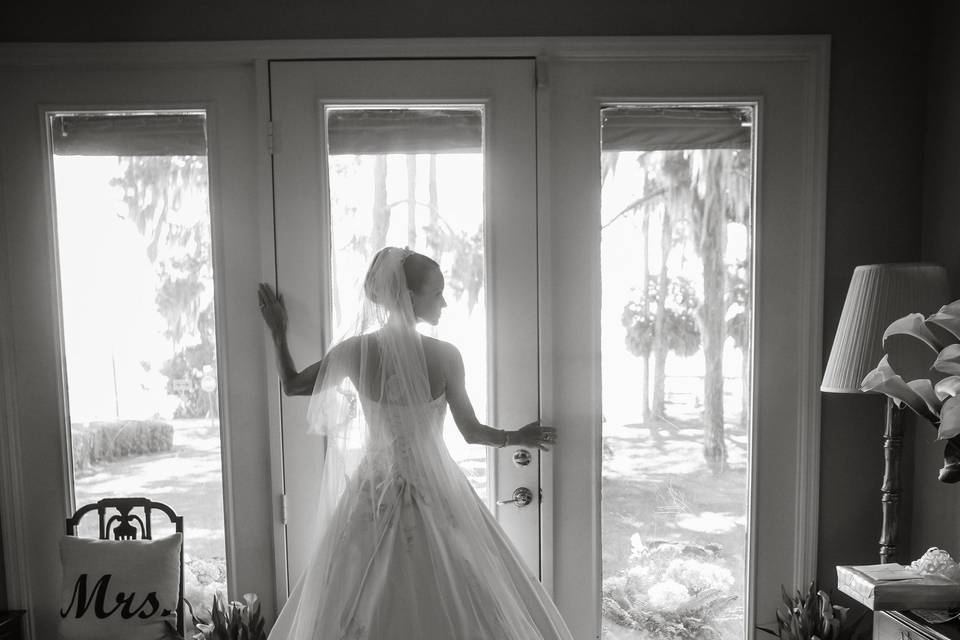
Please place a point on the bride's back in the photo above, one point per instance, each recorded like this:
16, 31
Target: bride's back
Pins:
366, 361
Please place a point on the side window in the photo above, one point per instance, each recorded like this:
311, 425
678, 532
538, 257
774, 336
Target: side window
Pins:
138, 320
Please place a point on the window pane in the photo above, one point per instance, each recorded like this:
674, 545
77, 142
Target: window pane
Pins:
413, 176
677, 229
137, 289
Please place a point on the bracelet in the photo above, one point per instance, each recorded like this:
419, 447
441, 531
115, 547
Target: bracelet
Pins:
506, 438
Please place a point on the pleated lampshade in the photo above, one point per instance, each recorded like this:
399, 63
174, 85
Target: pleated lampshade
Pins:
878, 295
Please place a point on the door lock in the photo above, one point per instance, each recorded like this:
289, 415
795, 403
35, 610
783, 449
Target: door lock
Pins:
522, 457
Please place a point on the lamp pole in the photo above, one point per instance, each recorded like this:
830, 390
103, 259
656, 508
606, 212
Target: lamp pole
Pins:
890, 489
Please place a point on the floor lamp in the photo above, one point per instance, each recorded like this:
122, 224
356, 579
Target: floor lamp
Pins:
878, 295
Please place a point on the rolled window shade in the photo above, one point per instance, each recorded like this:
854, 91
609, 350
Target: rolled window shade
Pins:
672, 128
129, 134
379, 131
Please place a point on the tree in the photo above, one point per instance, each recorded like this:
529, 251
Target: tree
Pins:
718, 193
703, 190
739, 325
680, 334
463, 251
156, 189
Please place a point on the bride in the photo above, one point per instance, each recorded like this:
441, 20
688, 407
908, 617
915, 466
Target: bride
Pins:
405, 548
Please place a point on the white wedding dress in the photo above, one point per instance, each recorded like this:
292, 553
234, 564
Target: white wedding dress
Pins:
406, 550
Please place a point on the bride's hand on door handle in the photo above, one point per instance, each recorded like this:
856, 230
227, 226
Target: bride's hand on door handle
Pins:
533, 435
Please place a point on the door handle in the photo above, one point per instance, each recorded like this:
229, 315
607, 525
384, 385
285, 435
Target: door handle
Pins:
521, 497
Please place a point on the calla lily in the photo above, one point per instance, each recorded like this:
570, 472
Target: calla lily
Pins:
948, 360
947, 388
948, 318
913, 325
885, 380
932, 391
949, 419
924, 389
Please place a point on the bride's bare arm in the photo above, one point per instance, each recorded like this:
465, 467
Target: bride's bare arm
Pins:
474, 432
292, 381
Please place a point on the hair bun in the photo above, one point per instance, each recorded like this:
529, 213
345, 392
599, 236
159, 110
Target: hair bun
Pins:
385, 278
393, 271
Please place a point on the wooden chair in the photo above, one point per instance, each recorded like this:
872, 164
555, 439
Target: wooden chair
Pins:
120, 519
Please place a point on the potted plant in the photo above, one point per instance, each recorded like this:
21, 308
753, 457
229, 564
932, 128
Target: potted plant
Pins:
923, 373
231, 621
813, 616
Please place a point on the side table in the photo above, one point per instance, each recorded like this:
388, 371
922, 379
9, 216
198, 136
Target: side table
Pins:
10, 625
903, 625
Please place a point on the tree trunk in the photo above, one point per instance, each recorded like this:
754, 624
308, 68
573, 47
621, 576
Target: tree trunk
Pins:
711, 312
661, 342
746, 367
645, 389
411, 200
381, 214
433, 233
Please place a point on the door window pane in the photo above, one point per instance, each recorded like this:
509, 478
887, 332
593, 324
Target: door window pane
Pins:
677, 261
137, 295
412, 176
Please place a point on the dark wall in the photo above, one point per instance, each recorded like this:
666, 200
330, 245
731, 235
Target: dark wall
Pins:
3, 576
937, 507
875, 151
941, 199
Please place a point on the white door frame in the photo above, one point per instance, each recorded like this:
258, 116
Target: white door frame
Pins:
810, 51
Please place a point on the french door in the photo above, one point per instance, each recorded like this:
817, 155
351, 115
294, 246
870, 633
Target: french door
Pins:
438, 156
644, 241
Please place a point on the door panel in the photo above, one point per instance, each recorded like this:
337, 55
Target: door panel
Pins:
782, 256
337, 157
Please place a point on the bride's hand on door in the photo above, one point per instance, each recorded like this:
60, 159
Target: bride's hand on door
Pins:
534, 435
272, 309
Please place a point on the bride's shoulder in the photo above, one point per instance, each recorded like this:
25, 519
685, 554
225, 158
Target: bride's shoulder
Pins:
346, 347
445, 350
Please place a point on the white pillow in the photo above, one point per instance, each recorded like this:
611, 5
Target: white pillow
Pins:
123, 589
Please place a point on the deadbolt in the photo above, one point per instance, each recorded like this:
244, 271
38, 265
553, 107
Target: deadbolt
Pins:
522, 457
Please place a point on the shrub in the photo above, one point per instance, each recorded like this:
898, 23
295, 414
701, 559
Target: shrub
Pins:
105, 441
670, 591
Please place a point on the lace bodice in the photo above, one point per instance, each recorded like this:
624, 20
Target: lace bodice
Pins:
402, 435
389, 421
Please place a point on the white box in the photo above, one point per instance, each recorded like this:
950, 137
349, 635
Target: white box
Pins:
885, 587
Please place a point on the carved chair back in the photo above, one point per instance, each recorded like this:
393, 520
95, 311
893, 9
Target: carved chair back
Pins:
131, 519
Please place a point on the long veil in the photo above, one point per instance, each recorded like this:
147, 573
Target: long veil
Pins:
380, 358
405, 548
